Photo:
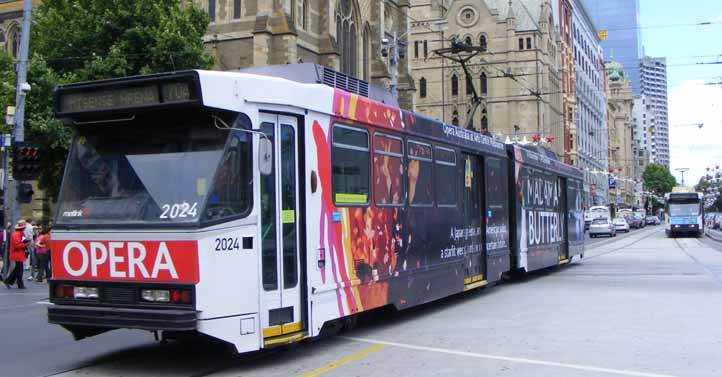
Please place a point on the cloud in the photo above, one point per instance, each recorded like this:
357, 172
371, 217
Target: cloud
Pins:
718, 18
691, 147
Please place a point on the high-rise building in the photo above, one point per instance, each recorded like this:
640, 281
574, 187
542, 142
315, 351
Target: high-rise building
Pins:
591, 99
623, 42
653, 75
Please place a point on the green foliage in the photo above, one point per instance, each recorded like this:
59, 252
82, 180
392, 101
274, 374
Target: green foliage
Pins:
80, 40
96, 39
657, 178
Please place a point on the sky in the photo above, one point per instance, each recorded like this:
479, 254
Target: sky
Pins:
690, 100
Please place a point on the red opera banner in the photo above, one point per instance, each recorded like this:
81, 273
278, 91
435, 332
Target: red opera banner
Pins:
153, 261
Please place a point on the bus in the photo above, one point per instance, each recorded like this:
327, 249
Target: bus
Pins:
685, 213
262, 207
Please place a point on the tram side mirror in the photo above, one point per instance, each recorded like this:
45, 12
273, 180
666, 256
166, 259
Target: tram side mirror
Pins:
265, 156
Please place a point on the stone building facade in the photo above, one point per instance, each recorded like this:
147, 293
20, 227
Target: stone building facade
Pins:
11, 17
620, 100
518, 74
345, 35
569, 100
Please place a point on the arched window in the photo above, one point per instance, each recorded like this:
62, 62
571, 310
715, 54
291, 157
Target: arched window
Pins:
469, 86
484, 124
454, 85
366, 53
15, 43
2, 36
304, 14
346, 36
212, 10
422, 87
482, 42
467, 40
483, 85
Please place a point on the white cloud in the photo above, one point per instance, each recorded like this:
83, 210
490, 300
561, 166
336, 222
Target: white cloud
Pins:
718, 19
691, 147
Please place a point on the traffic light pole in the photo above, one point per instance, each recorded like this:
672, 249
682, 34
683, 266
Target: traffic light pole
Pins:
21, 91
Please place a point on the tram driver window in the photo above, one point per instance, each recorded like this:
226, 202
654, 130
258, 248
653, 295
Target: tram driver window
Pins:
388, 170
232, 184
419, 171
350, 165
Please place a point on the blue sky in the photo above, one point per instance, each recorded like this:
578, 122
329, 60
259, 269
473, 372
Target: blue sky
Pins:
689, 100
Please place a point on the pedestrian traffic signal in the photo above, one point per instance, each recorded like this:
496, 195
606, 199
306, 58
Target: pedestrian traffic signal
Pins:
26, 162
25, 193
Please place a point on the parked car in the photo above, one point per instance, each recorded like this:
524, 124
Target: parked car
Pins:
636, 222
716, 220
602, 226
621, 225
652, 220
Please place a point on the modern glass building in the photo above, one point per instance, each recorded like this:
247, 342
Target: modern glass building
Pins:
620, 18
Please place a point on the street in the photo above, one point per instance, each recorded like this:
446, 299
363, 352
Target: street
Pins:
639, 304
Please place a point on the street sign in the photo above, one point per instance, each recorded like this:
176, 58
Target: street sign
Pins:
612, 182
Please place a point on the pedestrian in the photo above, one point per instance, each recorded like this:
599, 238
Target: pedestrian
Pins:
30, 235
18, 243
42, 253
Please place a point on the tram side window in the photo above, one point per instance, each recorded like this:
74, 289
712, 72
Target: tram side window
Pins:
350, 165
445, 174
421, 185
388, 170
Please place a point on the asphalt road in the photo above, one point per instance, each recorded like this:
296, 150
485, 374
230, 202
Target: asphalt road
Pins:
639, 304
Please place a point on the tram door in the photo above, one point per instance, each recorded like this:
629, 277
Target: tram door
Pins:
474, 260
564, 220
279, 225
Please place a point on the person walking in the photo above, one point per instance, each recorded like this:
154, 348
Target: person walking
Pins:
30, 235
42, 253
18, 243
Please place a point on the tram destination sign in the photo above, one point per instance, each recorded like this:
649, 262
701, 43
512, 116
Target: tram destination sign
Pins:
123, 97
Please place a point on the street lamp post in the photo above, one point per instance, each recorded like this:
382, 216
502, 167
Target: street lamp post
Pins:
682, 170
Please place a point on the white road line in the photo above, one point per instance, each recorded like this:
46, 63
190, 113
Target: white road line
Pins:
587, 368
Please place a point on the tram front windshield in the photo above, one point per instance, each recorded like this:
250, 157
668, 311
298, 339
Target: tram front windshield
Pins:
687, 208
160, 168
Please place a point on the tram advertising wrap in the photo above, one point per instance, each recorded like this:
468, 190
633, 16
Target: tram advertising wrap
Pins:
538, 211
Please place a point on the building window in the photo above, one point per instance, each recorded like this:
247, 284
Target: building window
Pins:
15, 43
426, 49
467, 40
366, 53
482, 42
416, 49
469, 86
484, 124
521, 43
212, 10
346, 36
455, 117
528, 43
237, 9
422, 87
484, 88
454, 85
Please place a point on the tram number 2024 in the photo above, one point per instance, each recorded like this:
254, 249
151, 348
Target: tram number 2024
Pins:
179, 210
227, 244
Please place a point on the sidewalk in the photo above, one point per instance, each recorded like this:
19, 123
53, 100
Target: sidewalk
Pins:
714, 234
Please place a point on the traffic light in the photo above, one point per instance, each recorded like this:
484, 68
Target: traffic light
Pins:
26, 162
25, 193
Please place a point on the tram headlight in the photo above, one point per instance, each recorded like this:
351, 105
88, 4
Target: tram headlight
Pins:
85, 292
155, 295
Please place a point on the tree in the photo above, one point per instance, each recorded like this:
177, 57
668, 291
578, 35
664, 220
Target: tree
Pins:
657, 178
80, 40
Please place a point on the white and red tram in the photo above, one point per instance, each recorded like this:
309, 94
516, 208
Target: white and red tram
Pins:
255, 209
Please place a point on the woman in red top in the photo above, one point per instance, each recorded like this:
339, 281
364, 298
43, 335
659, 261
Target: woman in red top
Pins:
18, 242
42, 253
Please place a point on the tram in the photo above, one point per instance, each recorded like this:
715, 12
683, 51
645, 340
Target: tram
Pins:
685, 213
258, 207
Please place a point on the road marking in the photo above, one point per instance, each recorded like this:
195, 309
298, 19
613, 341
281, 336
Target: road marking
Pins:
344, 361
587, 368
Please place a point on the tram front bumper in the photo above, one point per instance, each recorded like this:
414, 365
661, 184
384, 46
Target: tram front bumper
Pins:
72, 316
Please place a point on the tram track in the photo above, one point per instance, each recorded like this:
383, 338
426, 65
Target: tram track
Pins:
633, 242
716, 277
